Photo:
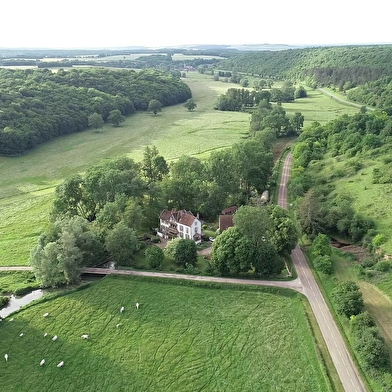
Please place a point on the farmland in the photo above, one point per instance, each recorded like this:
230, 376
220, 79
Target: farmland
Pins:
214, 338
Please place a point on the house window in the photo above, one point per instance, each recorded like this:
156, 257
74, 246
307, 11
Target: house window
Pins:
181, 227
187, 229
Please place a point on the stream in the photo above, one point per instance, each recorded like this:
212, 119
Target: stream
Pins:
17, 302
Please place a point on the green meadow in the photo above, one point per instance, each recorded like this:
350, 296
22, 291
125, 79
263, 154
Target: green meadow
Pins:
184, 337
27, 182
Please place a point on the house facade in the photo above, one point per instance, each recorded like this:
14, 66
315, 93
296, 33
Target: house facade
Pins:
179, 224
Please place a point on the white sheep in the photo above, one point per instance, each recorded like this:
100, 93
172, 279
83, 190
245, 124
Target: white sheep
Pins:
11, 319
118, 325
46, 314
42, 362
122, 309
61, 364
85, 336
54, 337
137, 305
21, 334
45, 334
6, 357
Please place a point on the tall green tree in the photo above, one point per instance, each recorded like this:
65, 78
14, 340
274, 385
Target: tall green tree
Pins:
348, 299
186, 252
95, 121
153, 166
190, 104
122, 244
282, 231
232, 252
154, 106
115, 117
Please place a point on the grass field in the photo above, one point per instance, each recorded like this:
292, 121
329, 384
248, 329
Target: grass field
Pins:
28, 182
183, 338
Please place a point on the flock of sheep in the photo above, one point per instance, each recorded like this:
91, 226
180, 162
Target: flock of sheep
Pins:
55, 337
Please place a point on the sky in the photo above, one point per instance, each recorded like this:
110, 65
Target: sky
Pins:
158, 23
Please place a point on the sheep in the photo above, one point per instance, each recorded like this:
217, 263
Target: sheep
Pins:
12, 319
42, 362
46, 314
54, 337
45, 334
21, 334
84, 336
61, 364
122, 309
137, 305
6, 357
118, 325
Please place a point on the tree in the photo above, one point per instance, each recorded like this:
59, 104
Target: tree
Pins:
67, 245
321, 246
190, 104
297, 122
254, 223
348, 299
154, 106
153, 165
122, 244
154, 256
309, 214
282, 231
186, 252
266, 261
171, 247
95, 121
232, 252
185, 188
116, 118
300, 92
323, 264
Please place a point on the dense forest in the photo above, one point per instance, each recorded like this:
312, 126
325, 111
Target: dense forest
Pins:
39, 105
325, 66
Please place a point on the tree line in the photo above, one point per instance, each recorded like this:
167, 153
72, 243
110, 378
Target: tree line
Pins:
39, 105
324, 66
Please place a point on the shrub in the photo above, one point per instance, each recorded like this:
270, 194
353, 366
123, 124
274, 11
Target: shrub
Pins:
347, 298
4, 301
154, 256
383, 266
323, 264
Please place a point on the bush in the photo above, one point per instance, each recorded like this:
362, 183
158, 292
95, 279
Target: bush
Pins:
347, 298
383, 266
4, 301
154, 256
323, 264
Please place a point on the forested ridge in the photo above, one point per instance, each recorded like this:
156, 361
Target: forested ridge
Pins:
39, 105
324, 66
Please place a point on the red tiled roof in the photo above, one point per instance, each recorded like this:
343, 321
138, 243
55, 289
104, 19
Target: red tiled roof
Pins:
182, 216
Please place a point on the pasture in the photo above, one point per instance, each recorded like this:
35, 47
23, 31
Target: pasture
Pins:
184, 337
28, 182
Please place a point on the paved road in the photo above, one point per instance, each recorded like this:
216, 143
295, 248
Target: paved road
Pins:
290, 284
341, 358
336, 98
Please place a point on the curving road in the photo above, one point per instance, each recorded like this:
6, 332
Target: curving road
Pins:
341, 100
341, 358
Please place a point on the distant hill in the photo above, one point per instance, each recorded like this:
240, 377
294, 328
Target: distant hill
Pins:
335, 66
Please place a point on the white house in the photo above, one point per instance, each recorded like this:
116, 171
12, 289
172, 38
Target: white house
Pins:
182, 224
